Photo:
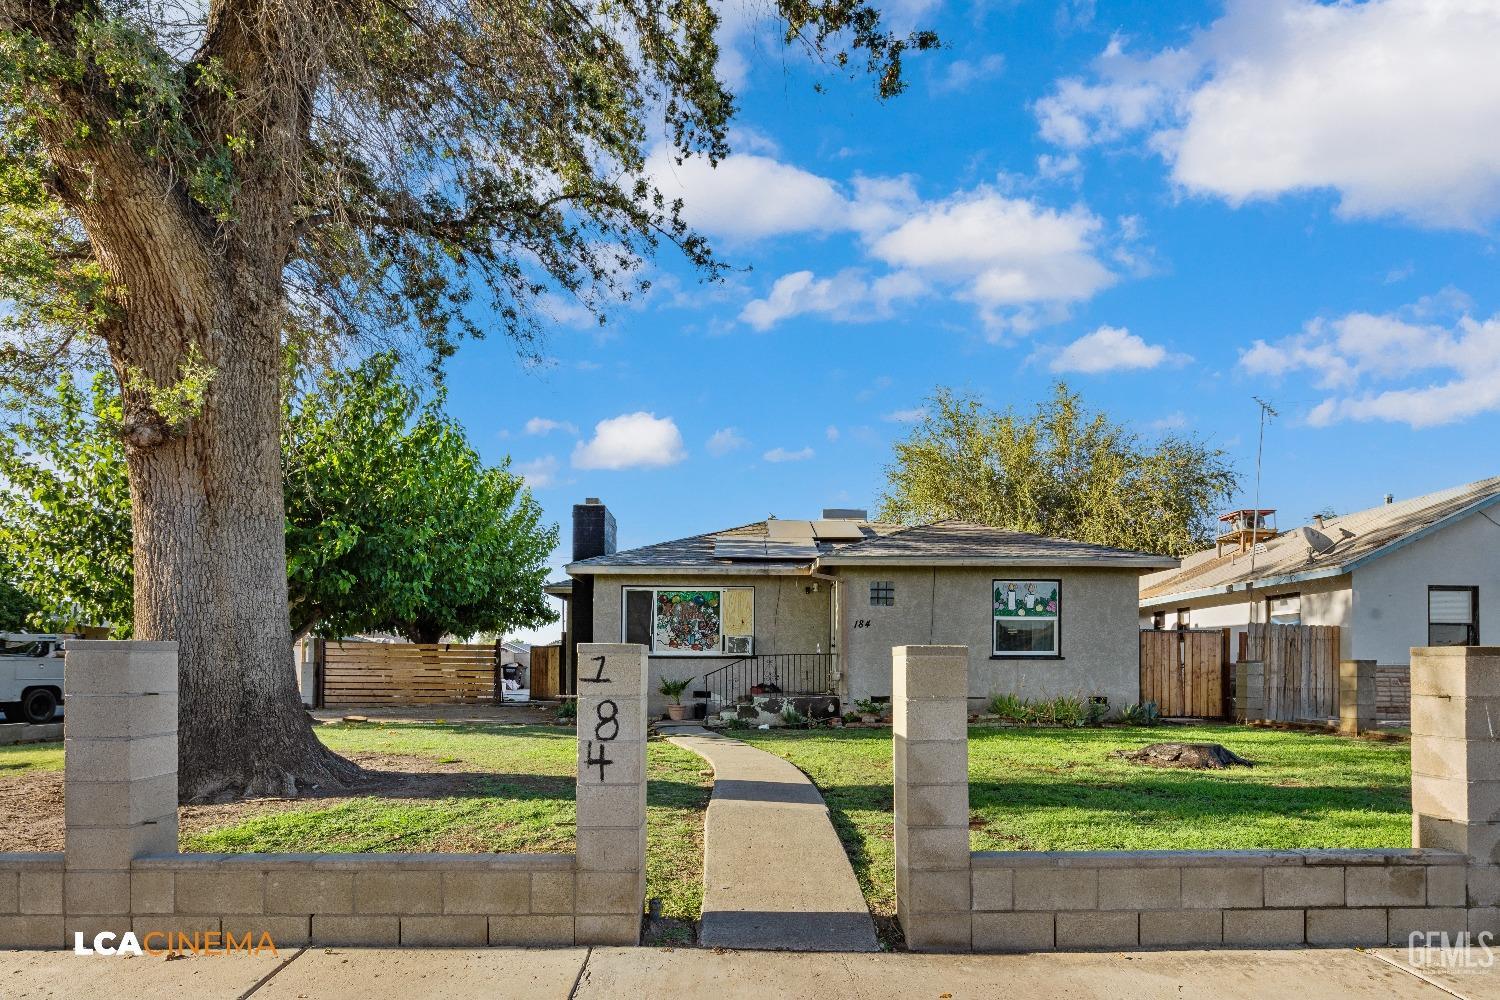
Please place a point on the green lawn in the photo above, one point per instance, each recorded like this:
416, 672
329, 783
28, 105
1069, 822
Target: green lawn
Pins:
1054, 789
524, 802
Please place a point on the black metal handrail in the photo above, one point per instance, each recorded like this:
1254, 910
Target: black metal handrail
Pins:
787, 673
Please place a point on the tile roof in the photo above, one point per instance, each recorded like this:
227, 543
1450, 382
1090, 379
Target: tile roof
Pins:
1310, 551
941, 541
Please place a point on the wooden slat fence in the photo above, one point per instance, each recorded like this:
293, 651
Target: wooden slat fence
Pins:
379, 673
1185, 671
546, 672
1302, 670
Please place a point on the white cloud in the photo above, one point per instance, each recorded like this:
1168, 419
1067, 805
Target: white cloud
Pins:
721, 442
629, 441
1174, 421
832, 433
910, 416
539, 473
1399, 367
847, 297
749, 196
961, 74
1110, 349
1389, 103
783, 455
545, 425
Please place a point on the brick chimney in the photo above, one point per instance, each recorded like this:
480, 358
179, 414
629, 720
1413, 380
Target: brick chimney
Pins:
593, 535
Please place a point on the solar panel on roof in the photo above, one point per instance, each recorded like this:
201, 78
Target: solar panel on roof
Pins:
837, 531
790, 550
778, 530
739, 548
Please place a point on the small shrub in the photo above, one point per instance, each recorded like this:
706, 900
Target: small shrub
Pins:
851, 716
1098, 709
567, 711
869, 706
738, 724
1146, 714
1008, 706
791, 717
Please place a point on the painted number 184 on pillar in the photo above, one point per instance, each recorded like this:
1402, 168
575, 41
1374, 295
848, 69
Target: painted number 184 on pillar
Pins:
607, 726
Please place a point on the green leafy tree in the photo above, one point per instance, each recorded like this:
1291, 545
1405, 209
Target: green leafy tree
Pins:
65, 509
393, 520
1060, 470
194, 185
17, 608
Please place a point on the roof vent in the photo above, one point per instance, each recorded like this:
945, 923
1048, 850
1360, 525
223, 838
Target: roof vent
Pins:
845, 514
1390, 498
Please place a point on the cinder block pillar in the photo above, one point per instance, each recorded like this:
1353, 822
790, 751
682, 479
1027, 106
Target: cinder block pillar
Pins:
611, 862
120, 777
1455, 764
1250, 691
929, 702
1356, 696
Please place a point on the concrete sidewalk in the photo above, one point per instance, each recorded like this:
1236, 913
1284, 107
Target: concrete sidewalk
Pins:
775, 875
595, 974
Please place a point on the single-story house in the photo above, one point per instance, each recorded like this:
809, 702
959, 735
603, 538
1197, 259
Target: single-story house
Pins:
814, 606
1418, 572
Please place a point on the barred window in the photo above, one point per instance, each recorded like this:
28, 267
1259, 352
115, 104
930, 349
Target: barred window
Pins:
882, 593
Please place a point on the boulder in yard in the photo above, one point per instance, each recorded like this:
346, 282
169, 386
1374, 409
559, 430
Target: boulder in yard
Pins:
1195, 756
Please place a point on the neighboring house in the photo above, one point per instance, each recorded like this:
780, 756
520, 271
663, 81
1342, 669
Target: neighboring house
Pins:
1421, 572
815, 606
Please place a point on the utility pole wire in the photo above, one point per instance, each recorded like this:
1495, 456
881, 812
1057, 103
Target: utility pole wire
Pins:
1266, 410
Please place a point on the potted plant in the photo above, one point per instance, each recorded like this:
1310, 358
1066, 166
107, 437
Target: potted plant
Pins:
673, 689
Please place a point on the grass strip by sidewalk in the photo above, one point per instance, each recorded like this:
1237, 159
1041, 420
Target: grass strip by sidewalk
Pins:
515, 794
1058, 790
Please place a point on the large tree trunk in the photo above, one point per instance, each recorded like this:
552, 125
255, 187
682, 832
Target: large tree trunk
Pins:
210, 559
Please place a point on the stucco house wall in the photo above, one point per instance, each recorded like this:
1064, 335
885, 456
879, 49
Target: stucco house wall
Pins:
954, 605
1390, 593
789, 618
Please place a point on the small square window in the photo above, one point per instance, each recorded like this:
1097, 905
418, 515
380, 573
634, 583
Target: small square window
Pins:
882, 593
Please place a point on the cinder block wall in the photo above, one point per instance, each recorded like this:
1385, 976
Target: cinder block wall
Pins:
121, 870
1030, 901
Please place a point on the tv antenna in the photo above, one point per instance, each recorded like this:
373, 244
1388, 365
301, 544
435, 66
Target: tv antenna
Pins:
1266, 411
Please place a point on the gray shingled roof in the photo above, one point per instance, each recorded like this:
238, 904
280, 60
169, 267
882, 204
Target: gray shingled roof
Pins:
1306, 553
939, 542
964, 542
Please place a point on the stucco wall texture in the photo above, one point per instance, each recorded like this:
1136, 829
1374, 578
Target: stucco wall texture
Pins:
953, 605
789, 618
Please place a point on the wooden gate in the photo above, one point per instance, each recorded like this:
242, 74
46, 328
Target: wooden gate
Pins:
382, 673
546, 672
1186, 671
1302, 670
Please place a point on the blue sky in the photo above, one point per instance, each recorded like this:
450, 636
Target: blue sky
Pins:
1175, 207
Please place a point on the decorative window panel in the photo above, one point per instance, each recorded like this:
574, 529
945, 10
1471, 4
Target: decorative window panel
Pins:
1028, 617
690, 622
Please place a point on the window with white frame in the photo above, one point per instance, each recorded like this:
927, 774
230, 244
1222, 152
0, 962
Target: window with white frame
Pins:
1452, 616
1028, 617
690, 621
1284, 609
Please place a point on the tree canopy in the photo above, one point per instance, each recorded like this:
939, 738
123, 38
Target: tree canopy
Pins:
1060, 470
393, 522
192, 187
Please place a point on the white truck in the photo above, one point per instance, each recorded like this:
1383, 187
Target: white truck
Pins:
31, 676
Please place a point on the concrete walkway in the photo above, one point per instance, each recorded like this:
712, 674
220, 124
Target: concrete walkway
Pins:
774, 873
602, 973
